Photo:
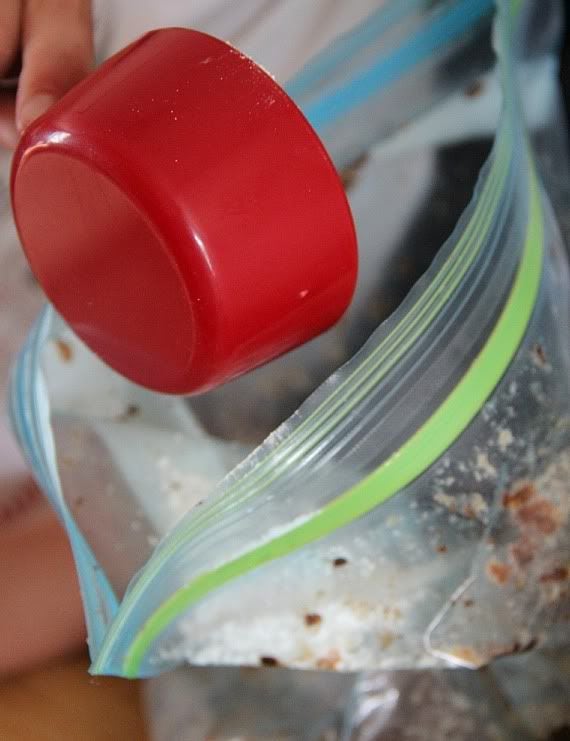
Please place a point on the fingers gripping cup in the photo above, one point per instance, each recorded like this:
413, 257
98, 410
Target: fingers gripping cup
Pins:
183, 216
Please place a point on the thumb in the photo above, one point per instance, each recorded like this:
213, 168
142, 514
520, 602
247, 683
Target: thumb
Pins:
57, 53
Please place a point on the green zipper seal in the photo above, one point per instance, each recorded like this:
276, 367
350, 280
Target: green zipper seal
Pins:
467, 247
406, 464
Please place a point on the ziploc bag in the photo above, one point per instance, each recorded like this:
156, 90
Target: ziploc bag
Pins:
519, 697
412, 512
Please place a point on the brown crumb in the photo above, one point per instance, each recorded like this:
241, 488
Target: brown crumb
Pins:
498, 572
523, 551
441, 548
387, 639
132, 410
268, 661
528, 646
474, 89
538, 355
521, 648
329, 662
79, 501
468, 655
468, 603
350, 174
540, 514
560, 573
514, 648
338, 562
312, 618
64, 350
520, 495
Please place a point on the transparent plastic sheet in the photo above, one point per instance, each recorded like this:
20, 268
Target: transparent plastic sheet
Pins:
522, 697
412, 513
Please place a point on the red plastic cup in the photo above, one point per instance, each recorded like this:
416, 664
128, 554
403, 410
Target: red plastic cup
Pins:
183, 216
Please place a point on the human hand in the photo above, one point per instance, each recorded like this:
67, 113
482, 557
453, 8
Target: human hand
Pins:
41, 616
55, 40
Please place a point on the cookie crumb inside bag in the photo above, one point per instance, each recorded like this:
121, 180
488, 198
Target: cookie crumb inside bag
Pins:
393, 497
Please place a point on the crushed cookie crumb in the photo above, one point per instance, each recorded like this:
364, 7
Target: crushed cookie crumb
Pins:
519, 496
268, 661
540, 514
441, 548
560, 573
445, 500
350, 174
387, 639
312, 619
529, 645
329, 662
504, 439
523, 551
338, 562
65, 351
498, 572
468, 655
474, 89
468, 603
538, 355
484, 468
514, 648
476, 507
131, 410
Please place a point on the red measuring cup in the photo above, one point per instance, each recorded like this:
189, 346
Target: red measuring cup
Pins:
182, 215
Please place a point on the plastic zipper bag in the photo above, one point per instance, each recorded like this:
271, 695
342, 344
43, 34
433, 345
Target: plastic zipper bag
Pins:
411, 513
520, 697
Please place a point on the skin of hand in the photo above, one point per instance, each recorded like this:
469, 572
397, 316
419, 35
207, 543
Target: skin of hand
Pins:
55, 41
41, 616
40, 612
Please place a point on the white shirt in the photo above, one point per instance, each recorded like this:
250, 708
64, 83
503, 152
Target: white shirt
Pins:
281, 35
